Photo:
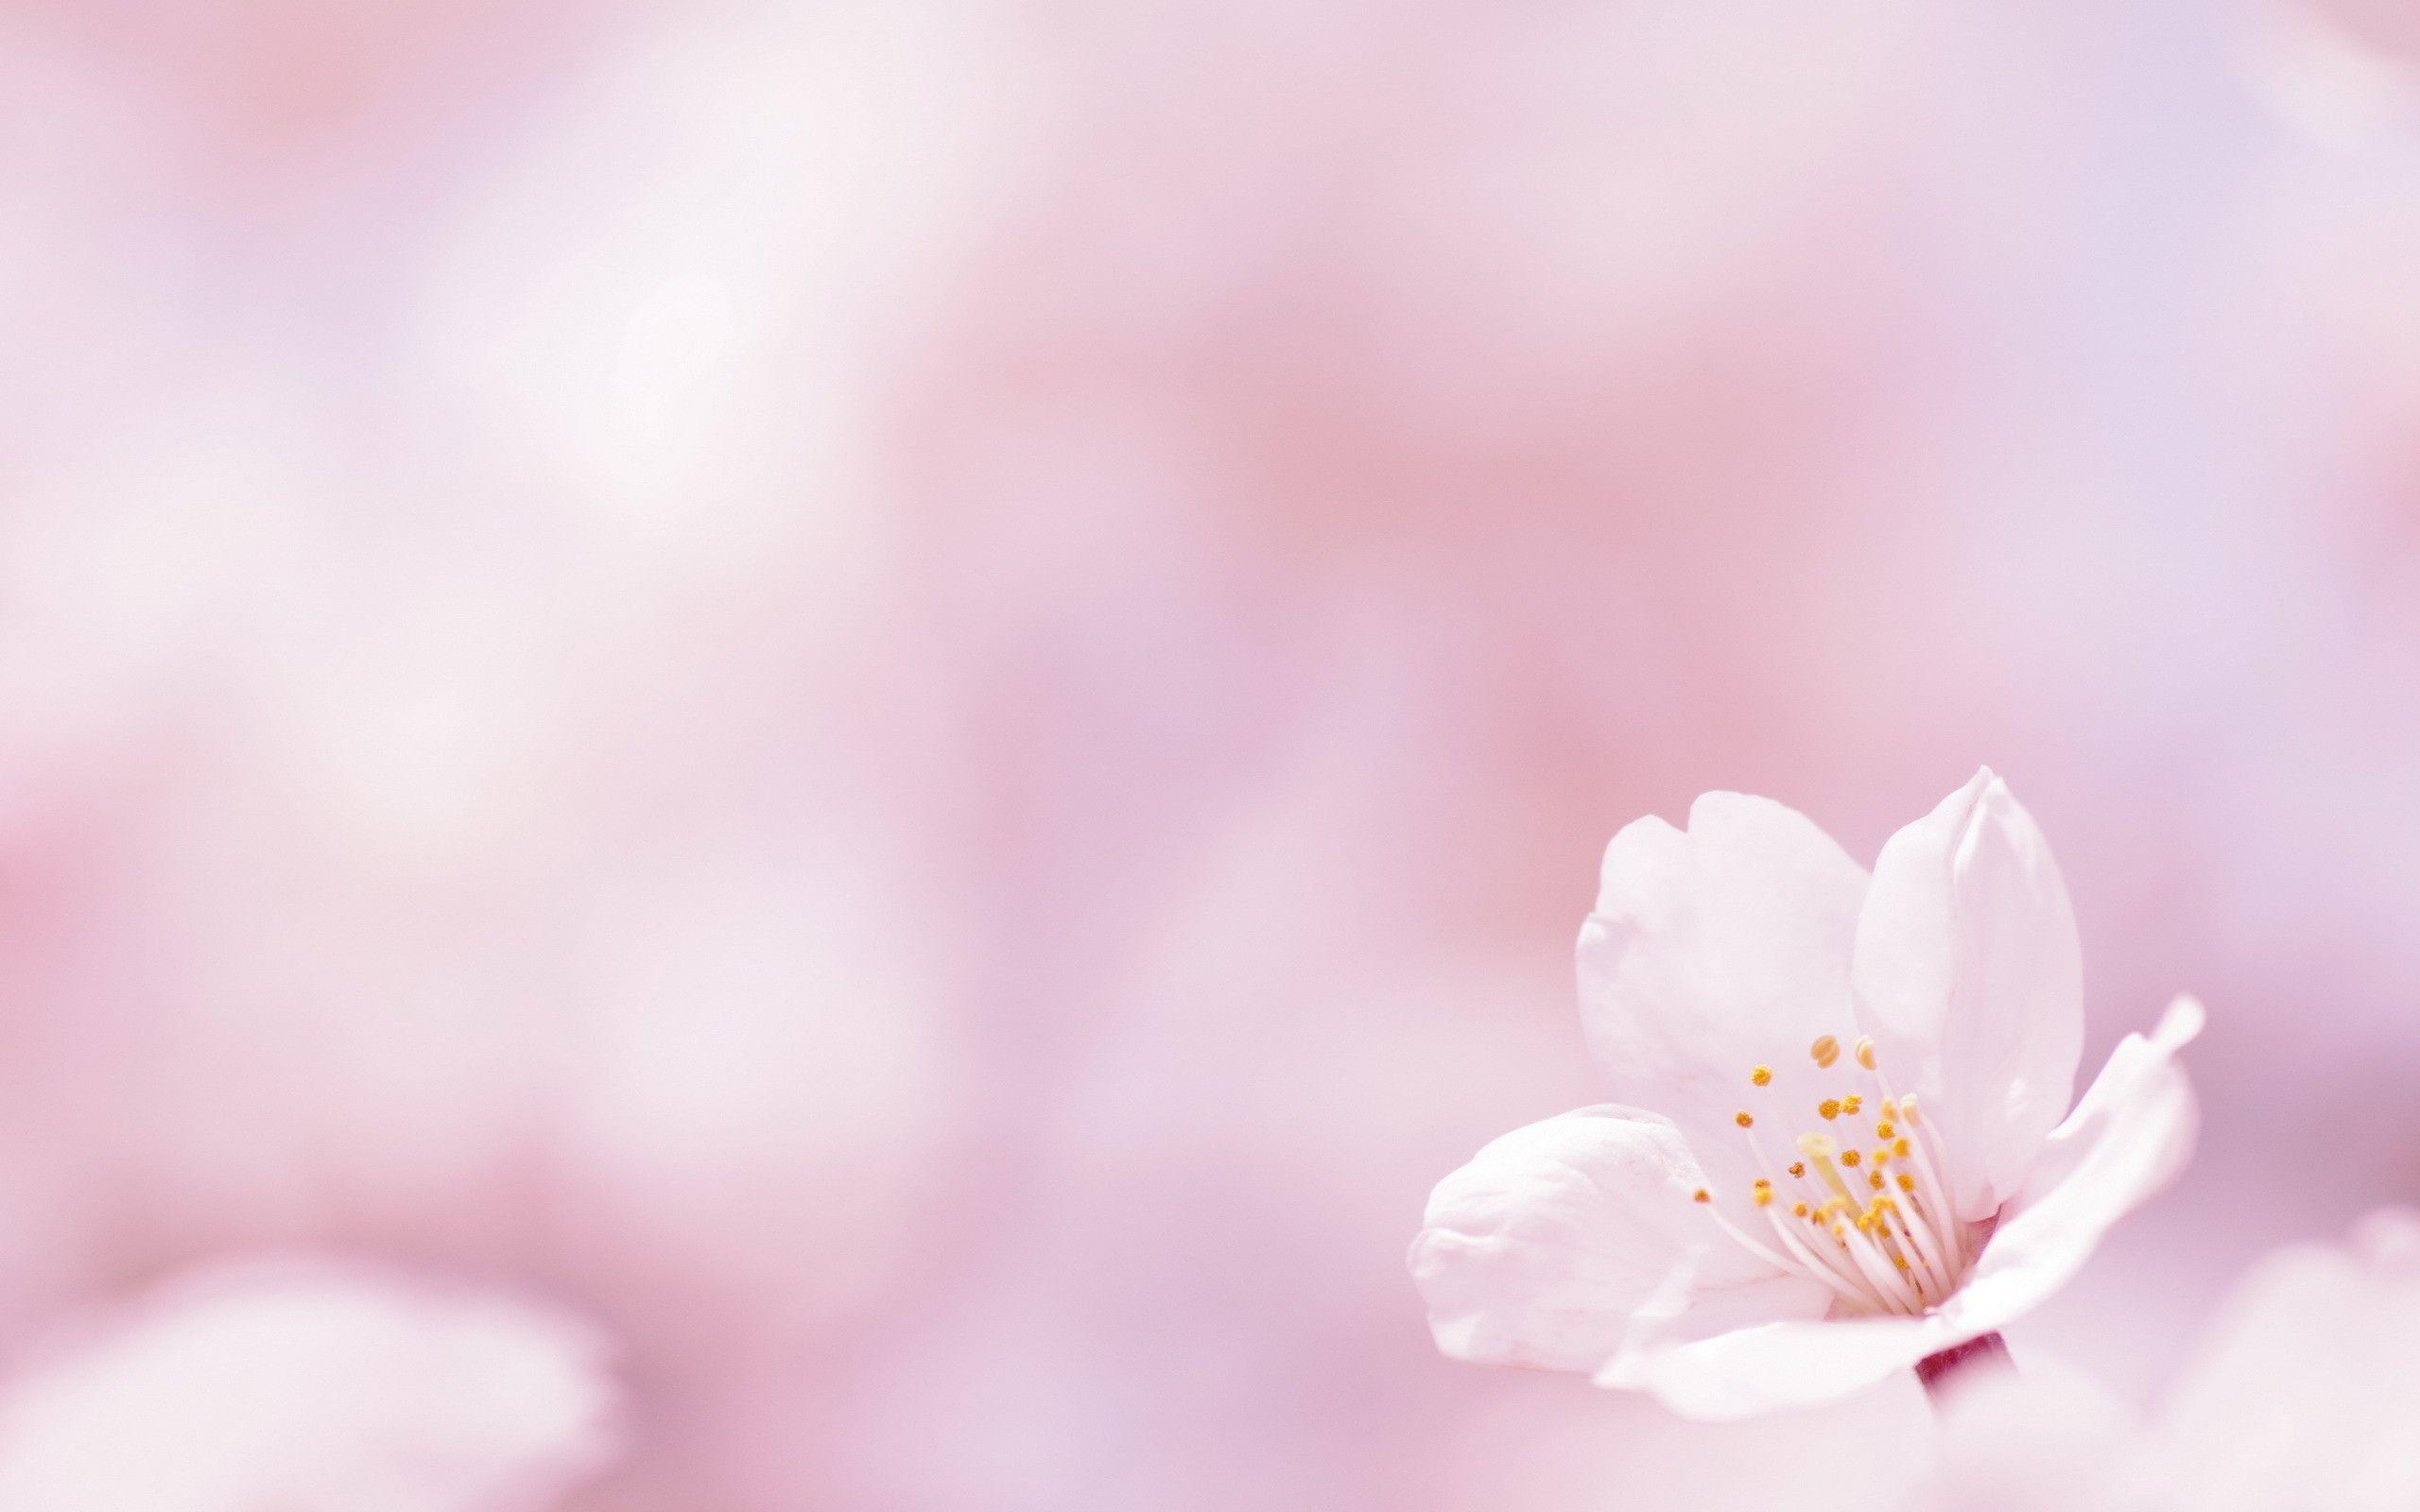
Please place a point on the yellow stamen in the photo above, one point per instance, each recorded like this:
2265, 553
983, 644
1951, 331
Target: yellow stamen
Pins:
1865, 1052
1826, 1051
1913, 1240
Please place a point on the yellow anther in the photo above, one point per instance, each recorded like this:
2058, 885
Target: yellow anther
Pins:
1761, 1075
1703, 1195
1799, 1208
1798, 1168
1743, 1118
1906, 1182
1880, 1156
1761, 1194
1873, 1180
1886, 1129
1829, 1108
1852, 1103
1865, 1052
1818, 1147
1826, 1051
1900, 1148
1907, 1108
1850, 1157
1900, 1261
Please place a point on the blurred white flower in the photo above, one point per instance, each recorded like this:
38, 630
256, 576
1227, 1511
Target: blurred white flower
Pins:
308, 1388
2303, 1398
1860, 1161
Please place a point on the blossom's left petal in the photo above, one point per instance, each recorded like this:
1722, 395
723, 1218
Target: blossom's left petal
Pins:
2308, 1391
1969, 977
2126, 1139
1562, 1243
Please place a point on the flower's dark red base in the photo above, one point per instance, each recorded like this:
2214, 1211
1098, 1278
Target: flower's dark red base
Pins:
1935, 1370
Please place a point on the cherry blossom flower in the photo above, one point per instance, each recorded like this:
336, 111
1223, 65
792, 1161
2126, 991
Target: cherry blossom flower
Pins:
1844, 1144
2304, 1395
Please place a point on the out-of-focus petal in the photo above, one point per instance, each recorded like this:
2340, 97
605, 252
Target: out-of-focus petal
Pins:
2126, 1139
1969, 977
1713, 951
2308, 1391
2043, 1440
307, 1387
1562, 1242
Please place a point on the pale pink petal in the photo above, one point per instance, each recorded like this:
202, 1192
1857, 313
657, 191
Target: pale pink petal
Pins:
1713, 951
1563, 1243
2125, 1141
1969, 977
307, 1387
2309, 1391
2042, 1439
1779, 1366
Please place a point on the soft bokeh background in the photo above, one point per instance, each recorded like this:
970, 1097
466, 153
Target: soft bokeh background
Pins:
911, 702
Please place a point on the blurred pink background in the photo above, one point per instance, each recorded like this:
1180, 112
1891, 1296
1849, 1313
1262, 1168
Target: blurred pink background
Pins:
912, 702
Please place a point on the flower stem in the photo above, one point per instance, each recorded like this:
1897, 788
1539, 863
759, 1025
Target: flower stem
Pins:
1936, 1370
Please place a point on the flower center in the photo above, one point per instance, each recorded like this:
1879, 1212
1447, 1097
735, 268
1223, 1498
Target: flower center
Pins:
1873, 1223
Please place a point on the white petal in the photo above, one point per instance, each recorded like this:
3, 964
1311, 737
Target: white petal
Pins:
2126, 1139
1779, 1367
1711, 951
1970, 979
2308, 1394
307, 1388
1562, 1243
